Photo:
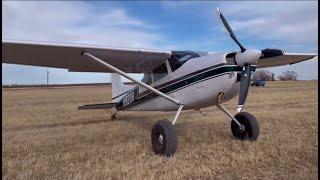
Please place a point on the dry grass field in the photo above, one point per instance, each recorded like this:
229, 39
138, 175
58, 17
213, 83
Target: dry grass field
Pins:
44, 136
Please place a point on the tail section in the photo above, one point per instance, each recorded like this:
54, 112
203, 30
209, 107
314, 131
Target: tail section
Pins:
118, 88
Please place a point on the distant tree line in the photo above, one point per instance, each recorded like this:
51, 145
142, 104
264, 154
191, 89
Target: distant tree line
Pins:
288, 76
266, 75
262, 75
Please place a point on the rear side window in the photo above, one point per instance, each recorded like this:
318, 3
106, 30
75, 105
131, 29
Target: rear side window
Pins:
160, 72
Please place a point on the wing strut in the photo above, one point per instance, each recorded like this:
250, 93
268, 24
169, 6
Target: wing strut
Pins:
116, 70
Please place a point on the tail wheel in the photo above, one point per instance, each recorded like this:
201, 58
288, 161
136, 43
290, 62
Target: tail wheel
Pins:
164, 138
251, 130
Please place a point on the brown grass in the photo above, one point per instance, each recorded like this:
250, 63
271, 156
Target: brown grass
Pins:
45, 136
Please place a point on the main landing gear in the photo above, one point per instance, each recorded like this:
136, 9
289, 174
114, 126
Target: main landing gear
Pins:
164, 137
251, 127
244, 126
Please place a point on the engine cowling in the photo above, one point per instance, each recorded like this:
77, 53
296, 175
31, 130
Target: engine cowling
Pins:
249, 56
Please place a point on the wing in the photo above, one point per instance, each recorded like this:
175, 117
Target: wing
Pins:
70, 56
273, 57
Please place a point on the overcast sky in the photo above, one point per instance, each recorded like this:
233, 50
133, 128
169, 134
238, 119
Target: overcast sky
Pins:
168, 25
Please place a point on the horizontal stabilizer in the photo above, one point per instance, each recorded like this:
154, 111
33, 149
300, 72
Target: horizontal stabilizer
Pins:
97, 106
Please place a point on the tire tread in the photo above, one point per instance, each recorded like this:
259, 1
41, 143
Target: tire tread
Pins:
171, 137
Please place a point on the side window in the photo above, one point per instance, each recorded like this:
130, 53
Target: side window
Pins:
160, 72
147, 79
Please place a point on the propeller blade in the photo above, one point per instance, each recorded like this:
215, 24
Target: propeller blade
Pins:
228, 28
244, 87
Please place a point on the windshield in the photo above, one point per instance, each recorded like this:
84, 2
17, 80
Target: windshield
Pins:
178, 58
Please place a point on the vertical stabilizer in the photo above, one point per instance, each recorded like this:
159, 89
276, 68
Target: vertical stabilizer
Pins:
118, 88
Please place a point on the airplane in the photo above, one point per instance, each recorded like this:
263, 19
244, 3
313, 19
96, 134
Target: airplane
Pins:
172, 80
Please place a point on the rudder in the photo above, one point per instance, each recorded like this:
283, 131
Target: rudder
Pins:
118, 88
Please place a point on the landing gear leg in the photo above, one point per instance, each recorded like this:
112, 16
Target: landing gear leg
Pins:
244, 126
164, 137
219, 105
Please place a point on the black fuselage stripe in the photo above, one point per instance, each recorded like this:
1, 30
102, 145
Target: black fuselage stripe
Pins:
184, 83
178, 89
166, 84
121, 94
183, 77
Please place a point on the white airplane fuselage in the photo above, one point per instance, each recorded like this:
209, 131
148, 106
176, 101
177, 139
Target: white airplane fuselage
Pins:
196, 84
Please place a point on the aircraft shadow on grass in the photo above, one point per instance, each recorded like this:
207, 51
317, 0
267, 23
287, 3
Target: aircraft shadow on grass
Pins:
142, 122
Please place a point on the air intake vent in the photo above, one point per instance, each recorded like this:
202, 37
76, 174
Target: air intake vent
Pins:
268, 53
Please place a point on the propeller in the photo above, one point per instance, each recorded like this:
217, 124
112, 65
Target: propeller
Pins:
228, 28
244, 58
244, 87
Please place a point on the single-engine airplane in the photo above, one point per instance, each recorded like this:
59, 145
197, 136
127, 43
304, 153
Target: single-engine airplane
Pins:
172, 81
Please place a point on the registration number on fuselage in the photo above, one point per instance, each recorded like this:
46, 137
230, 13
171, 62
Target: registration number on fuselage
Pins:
128, 99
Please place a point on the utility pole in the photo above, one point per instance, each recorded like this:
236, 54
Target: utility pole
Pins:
272, 77
47, 78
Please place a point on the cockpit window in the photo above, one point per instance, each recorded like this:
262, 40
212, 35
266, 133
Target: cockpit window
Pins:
186, 57
202, 53
160, 72
178, 58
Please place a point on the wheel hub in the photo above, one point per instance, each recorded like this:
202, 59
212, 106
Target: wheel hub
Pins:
242, 128
160, 139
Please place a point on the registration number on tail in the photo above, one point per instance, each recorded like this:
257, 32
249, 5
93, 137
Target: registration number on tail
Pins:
128, 99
